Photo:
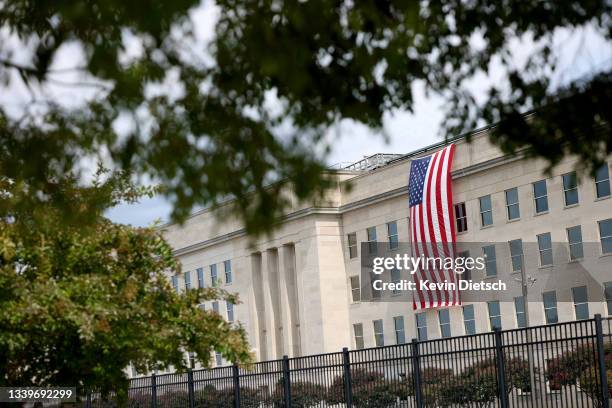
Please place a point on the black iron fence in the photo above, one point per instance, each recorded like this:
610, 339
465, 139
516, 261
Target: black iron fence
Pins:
559, 365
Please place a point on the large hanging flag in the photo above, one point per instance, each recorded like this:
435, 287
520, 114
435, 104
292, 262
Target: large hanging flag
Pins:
432, 229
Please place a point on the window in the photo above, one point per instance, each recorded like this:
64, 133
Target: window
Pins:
213, 275
400, 335
467, 274
201, 282
574, 238
469, 320
355, 289
227, 266
218, 359
215, 306
392, 234
519, 307
486, 211
230, 312
605, 235
187, 277
358, 332
608, 295
570, 188
421, 324
376, 293
371, 240
461, 217
512, 204
379, 336
581, 305
602, 181
490, 260
540, 196
352, 245
550, 307
202, 307
494, 314
516, 254
175, 283
545, 249
395, 278
444, 318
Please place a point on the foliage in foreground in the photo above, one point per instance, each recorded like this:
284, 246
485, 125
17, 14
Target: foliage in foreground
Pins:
82, 300
225, 118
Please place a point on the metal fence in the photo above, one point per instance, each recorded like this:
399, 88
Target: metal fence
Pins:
558, 365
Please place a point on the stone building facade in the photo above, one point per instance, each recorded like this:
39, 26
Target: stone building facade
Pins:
300, 290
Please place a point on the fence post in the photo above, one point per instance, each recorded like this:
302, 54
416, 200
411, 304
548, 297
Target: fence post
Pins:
416, 373
153, 391
348, 386
501, 368
601, 357
88, 398
236, 375
286, 382
190, 387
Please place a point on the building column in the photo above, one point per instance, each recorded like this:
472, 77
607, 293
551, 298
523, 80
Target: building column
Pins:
289, 300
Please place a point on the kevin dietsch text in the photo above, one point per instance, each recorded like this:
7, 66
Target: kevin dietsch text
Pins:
425, 284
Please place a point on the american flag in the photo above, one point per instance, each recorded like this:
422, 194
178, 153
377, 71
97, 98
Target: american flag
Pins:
432, 230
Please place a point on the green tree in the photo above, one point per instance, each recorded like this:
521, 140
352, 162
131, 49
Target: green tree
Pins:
214, 134
83, 298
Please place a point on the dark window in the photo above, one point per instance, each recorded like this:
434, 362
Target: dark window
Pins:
230, 312
494, 314
396, 278
605, 234
512, 204
461, 217
519, 307
379, 335
227, 265
467, 274
550, 307
358, 332
175, 283
355, 289
608, 294
400, 334
602, 181
444, 318
486, 211
540, 196
421, 323
372, 240
570, 188
392, 234
201, 282
187, 278
574, 238
545, 249
516, 254
581, 303
213, 275
469, 319
490, 260
352, 245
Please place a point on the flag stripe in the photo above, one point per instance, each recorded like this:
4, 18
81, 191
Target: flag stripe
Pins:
432, 229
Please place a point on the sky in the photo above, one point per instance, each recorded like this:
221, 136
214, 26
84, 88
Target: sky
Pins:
580, 54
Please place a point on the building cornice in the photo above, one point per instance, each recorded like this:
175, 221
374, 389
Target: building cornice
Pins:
319, 210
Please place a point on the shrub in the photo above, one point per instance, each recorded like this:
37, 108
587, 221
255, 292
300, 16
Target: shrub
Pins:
590, 384
303, 394
566, 368
370, 389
